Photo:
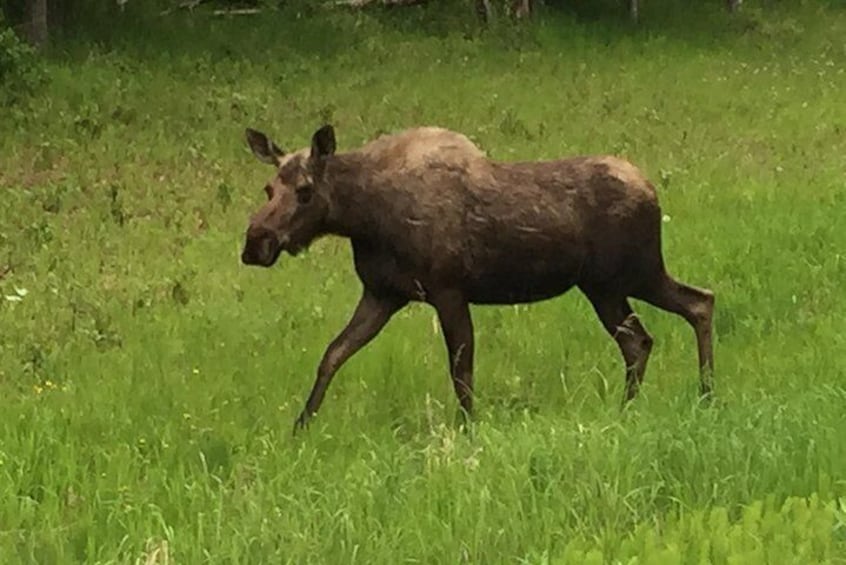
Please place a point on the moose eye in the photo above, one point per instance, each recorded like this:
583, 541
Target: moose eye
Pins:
304, 194
268, 190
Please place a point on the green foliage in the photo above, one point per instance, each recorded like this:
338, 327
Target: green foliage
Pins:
799, 531
22, 72
149, 382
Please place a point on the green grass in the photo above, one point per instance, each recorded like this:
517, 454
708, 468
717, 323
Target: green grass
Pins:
149, 381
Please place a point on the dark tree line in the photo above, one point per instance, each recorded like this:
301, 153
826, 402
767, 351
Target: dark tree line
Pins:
29, 18
35, 18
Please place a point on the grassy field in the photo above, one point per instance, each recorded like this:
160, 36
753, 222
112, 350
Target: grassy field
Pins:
149, 381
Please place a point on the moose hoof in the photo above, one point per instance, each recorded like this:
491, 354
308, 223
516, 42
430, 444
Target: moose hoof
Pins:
301, 423
463, 420
706, 397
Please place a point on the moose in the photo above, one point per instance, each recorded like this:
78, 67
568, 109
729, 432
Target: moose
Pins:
431, 218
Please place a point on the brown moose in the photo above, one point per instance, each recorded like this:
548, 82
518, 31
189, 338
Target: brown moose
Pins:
432, 219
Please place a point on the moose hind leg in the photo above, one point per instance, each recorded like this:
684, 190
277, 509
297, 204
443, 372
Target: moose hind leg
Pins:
634, 341
457, 324
696, 305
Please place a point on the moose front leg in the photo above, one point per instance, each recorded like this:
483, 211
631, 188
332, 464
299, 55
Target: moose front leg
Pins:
370, 316
457, 325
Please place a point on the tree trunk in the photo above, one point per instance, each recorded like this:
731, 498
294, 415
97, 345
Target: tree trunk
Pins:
521, 8
36, 30
484, 10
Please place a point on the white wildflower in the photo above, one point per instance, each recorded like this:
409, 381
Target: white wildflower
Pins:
18, 296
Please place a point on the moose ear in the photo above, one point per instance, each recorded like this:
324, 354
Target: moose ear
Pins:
323, 142
263, 148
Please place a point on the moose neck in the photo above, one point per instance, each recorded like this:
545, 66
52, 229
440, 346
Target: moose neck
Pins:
354, 198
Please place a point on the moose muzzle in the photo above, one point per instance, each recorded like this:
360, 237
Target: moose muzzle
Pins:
261, 247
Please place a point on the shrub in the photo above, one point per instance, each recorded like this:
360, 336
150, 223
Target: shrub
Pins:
21, 70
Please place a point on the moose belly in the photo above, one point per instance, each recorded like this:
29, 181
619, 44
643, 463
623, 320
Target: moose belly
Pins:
520, 281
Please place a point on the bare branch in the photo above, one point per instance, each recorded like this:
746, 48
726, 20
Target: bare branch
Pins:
365, 3
237, 12
187, 5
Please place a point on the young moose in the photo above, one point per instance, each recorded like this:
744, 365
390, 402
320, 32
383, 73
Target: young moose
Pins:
432, 219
